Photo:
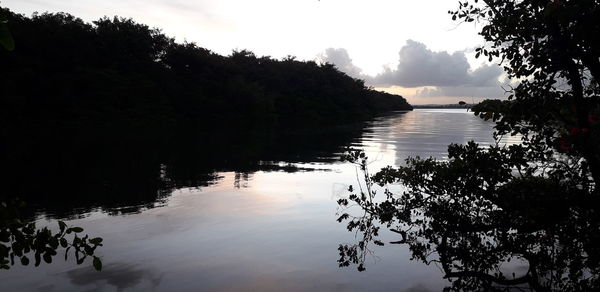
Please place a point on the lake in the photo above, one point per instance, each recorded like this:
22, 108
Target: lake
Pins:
227, 211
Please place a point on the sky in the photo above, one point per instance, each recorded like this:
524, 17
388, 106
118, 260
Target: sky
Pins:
412, 48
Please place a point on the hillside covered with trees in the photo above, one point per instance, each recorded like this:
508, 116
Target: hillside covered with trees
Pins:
66, 74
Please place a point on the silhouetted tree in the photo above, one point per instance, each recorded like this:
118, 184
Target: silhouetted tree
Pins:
536, 201
118, 75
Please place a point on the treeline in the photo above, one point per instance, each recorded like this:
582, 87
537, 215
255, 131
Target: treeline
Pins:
438, 106
118, 74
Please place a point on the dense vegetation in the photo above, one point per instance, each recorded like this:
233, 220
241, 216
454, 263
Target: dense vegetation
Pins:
108, 104
115, 115
532, 208
118, 74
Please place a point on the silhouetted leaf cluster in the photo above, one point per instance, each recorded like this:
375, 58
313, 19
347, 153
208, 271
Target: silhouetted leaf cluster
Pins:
21, 239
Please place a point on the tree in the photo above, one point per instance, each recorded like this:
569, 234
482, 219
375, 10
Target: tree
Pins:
553, 48
19, 237
115, 74
536, 202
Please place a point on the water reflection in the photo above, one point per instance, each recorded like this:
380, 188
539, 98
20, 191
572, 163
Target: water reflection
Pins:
502, 251
427, 133
530, 233
276, 232
71, 175
119, 276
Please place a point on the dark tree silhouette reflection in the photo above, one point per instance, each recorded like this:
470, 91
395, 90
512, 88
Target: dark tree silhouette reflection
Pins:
479, 238
65, 176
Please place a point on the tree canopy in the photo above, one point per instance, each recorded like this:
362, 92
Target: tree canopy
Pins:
115, 73
536, 202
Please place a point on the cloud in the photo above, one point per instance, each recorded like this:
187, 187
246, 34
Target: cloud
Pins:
341, 59
431, 74
419, 66
462, 91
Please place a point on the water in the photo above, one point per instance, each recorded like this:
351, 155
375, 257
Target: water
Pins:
250, 212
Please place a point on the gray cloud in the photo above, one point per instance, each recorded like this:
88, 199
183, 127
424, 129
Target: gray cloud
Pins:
443, 74
462, 91
419, 66
341, 59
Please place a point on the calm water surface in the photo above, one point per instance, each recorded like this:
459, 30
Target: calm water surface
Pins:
262, 222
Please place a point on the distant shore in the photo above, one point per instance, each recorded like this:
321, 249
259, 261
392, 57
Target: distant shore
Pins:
465, 106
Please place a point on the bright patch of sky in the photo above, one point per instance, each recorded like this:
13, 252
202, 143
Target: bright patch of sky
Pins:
374, 34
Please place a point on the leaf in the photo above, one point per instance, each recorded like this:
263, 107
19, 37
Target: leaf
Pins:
48, 257
96, 241
24, 260
97, 264
88, 250
76, 229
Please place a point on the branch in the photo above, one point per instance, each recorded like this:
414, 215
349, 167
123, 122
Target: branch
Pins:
521, 280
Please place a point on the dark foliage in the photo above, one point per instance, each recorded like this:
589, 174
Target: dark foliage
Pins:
119, 75
472, 216
20, 239
536, 202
